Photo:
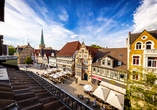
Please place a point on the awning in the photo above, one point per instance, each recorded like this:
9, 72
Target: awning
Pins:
102, 92
116, 99
113, 87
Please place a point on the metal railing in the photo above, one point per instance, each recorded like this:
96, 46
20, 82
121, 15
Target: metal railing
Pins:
69, 101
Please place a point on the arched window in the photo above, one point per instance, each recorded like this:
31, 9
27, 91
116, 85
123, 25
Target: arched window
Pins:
148, 45
138, 45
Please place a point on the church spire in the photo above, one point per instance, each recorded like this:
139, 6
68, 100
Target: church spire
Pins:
42, 45
42, 38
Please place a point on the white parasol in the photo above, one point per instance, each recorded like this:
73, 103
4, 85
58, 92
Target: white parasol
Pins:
88, 87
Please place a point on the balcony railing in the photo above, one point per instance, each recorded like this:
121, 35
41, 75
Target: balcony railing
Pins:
150, 51
69, 101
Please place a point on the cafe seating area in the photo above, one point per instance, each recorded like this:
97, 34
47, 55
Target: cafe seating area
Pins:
97, 103
56, 75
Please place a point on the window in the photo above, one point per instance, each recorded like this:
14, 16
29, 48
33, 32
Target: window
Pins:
109, 63
122, 76
135, 60
114, 74
82, 50
138, 45
98, 70
106, 72
119, 63
103, 62
120, 55
97, 60
135, 77
79, 55
94, 69
85, 61
85, 55
144, 37
85, 67
152, 61
148, 45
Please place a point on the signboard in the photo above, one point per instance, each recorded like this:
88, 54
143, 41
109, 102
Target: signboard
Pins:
96, 77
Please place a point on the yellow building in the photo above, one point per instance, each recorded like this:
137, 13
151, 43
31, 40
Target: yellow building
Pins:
142, 52
83, 62
22, 52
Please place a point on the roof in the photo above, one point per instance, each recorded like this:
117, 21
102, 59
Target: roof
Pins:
112, 53
2, 2
48, 48
36, 52
47, 52
23, 46
92, 51
134, 36
69, 49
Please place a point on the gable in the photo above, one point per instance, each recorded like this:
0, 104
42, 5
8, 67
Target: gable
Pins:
135, 36
148, 36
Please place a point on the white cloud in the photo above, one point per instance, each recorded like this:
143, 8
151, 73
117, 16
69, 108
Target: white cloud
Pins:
74, 36
24, 25
63, 16
145, 16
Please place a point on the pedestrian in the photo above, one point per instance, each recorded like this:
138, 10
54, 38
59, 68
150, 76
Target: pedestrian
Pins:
76, 80
63, 81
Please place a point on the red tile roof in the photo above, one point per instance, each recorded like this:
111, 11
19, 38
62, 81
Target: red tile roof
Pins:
92, 50
36, 52
69, 49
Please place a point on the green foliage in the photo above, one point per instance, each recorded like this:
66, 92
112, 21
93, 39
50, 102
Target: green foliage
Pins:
28, 60
11, 49
96, 46
143, 92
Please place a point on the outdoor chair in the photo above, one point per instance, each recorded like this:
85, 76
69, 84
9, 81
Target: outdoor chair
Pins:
81, 96
87, 100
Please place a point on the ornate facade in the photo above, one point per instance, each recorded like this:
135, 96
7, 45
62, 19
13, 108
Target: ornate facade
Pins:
83, 62
22, 52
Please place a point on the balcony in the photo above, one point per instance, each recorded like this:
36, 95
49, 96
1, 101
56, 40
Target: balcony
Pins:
150, 51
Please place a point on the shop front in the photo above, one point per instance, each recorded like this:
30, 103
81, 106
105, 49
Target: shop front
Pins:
96, 80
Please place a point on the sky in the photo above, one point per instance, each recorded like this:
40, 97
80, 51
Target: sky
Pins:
102, 22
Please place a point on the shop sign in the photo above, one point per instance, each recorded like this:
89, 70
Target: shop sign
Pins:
96, 77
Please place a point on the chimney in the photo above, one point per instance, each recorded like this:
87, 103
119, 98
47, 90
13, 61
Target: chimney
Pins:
126, 42
129, 33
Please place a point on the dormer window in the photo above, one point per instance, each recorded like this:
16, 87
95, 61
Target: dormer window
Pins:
103, 62
119, 63
120, 55
148, 45
109, 62
138, 45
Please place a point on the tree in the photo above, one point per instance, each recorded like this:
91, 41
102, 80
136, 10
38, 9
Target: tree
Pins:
28, 60
143, 93
11, 49
96, 46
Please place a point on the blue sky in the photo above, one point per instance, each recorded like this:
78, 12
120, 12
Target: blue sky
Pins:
101, 22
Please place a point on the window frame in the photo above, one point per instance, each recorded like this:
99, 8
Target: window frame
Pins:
134, 55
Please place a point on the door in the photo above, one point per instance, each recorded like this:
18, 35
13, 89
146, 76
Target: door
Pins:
85, 76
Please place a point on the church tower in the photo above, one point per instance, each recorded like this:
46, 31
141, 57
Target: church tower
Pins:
42, 45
